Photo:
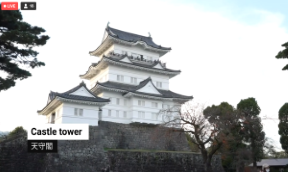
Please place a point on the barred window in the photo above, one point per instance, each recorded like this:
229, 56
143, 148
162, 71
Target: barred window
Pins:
159, 84
141, 103
133, 80
120, 78
154, 104
78, 112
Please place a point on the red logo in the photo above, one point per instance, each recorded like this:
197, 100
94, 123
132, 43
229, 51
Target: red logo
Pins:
9, 5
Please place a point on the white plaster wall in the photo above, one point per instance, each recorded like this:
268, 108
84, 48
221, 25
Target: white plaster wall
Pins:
158, 66
90, 114
140, 75
82, 92
149, 88
114, 107
132, 108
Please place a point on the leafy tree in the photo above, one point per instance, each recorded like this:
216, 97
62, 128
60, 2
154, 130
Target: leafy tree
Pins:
281, 154
233, 151
252, 128
283, 126
283, 55
205, 131
17, 131
17, 40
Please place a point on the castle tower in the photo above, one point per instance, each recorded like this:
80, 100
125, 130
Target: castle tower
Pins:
129, 83
130, 74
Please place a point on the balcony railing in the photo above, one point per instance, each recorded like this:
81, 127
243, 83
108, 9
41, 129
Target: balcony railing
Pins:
138, 59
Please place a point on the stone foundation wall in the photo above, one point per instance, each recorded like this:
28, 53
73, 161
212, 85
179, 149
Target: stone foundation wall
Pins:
111, 147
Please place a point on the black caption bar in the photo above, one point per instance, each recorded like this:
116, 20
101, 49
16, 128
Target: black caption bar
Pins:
28, 5
42, 146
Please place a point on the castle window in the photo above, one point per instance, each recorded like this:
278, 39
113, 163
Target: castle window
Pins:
117, 113
52, 118
133, 80
117, 101
159, 84
141, 114
125, 102
120, 78
125, 114
141, 103
78, 112
109, 112
154, 104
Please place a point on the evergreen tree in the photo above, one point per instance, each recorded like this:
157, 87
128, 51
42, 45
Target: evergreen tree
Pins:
233, 150
17, 131
252, 128
283, 54
283, 126
17, 40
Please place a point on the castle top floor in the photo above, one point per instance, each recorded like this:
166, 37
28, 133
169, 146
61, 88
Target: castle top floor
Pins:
121, 42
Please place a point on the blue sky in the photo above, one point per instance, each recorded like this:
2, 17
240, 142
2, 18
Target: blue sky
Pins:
225, 50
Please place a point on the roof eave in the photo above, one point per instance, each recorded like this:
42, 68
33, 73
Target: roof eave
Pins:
84, 102
58, 100
145, 68
144, 44
92, 71
102, 47
51, 105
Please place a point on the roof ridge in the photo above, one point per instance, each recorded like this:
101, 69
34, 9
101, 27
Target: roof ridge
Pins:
133, 89
128, 32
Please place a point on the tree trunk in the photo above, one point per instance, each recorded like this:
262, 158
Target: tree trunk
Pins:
207, 163
208, 167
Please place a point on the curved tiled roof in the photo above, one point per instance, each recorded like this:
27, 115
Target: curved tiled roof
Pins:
132, 88
131, 37
141, 64
68, 95
147, 66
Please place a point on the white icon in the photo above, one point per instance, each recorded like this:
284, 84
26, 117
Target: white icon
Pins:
32, 5
25, 6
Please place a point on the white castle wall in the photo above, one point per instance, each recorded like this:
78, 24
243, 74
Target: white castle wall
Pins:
90, 114
132, 109
139, 74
